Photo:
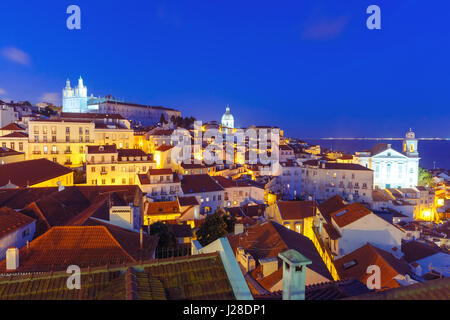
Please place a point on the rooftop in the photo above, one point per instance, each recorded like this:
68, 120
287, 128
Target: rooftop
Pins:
199, 183
30, 172
354, 265
10, 221
61, 247
295, 210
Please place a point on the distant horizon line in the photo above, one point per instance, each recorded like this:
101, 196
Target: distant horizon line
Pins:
438, 139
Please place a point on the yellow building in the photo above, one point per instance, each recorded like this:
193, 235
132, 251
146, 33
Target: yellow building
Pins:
164, 211
294, 215
9, 156
107, 165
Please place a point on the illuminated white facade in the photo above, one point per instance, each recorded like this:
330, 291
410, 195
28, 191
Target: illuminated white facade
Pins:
228, 119
393, 169
75, 99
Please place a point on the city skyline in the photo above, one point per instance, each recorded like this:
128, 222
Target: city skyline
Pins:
311, 68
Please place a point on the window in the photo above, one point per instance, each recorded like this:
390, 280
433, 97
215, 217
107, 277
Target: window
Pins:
45, 149
124, 181
36, 138
67, 138
113, 168
12, 145
20, 146
113, 181
26, 232
53, 138
67, 129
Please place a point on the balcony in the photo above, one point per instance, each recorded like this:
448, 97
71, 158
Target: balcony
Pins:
68, 152
68, 163
103, 172
37, 152
54, 152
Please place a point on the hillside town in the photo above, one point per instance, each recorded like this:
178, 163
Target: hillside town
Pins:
151, 204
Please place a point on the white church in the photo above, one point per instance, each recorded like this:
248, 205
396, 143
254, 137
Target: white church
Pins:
75, 99
393, 169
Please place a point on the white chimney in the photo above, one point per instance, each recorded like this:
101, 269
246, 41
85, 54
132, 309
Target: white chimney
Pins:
12, 259
294, 274
238, 228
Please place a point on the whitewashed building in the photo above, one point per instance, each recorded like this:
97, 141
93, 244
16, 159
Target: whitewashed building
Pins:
322, 180
393, 169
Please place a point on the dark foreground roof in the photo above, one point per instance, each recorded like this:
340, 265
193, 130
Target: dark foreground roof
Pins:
198, 277
438, 289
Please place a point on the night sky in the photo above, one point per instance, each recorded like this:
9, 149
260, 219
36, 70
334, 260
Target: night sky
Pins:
309, 66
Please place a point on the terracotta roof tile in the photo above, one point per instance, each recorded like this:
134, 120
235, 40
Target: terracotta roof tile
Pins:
350, 214
354, 265
268, 239
12, 127
31, 172
198, 183
11, 221
295, 210
61, 247
16, 135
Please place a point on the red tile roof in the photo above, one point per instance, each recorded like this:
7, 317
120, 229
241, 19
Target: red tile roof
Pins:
336, 166
164, 148
350, 214
102, 149
61, 247
10, 221
12, 127
229, 183
6, 152
331, 205
31, 172
188, 201
156, 172
16, 135
198, 183
130, 240
358, 261
131, 153
438, 289
161, 207
296, 210
268, 239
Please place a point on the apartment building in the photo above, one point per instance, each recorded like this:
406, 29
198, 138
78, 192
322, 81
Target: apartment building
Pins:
322, 180
61, 141
160, 184
107, 165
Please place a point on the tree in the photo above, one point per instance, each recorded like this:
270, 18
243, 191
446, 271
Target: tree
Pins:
166, 237
216, 226
425, 178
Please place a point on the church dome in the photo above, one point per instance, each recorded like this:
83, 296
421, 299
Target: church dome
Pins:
228, 119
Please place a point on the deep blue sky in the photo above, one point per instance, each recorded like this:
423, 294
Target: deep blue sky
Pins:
309, 66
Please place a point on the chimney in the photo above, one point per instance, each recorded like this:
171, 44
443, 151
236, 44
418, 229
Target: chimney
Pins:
238, 228
294, 274
269, 265
12, 259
